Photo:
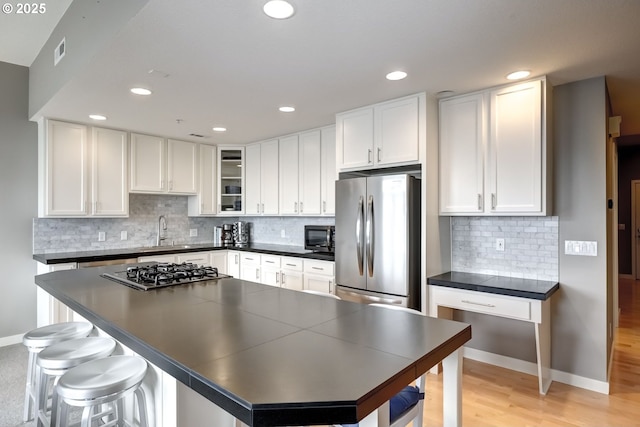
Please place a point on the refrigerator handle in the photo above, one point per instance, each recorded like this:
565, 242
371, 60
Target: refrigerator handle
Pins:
370, 236
359, 218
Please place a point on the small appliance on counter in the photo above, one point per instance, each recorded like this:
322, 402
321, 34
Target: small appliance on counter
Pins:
227, 234
217, 235
319, 238
240, 233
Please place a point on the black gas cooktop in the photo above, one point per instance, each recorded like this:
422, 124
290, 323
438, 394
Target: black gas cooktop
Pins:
160, 275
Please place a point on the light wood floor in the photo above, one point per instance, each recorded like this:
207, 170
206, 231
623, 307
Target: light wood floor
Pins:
494, 396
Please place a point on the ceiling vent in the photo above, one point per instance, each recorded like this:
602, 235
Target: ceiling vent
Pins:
59, 52
195, 135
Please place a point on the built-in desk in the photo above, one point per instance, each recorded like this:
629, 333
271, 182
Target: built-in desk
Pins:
521, 299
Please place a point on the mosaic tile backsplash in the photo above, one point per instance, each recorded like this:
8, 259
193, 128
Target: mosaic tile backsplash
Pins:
52, 235
530, 246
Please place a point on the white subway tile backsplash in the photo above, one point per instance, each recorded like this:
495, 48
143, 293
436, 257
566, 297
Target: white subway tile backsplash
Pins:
530, 249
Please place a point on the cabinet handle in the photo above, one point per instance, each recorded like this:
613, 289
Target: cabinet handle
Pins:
479, 201
277, 274
257, 274
171, 185
324, 206
268, 262
301, 207
250, 259
236, 259
295, 207
219, 208
263, 208
478, 303
318, 268
369, 156
282, 278
493, 200
162, 184
95, 206
258, 207
290, 265
379, 150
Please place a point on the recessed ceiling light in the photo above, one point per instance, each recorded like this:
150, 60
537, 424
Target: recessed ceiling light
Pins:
97, 117
140, 91
278, 9
287, 109
517, 75
396, 75
219, 129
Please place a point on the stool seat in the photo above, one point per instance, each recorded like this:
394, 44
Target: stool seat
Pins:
51, 334
67, 354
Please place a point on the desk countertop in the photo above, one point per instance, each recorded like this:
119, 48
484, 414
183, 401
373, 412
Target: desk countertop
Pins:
516, 287
269, 356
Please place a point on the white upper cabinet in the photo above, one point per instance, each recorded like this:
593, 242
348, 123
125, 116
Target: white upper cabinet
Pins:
182, 167
205, 202
230, 180
328, 174
261, 178
288, 167
82, 175
109, 173
461, 151
161, 166
493, 152
309, 173
381, 135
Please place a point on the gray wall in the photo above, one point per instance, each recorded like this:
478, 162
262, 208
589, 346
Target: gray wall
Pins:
579, 312
18, 201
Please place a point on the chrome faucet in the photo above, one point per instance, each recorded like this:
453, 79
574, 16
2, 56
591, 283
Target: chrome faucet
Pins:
162, 225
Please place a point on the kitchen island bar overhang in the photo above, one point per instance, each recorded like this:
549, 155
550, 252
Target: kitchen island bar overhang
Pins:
268, 356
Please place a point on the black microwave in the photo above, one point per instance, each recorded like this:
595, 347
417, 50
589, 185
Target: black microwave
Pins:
319, 238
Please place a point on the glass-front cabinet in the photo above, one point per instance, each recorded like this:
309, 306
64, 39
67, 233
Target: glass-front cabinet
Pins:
230, 180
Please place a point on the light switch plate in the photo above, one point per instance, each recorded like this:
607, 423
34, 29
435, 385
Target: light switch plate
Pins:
123, 235
101, 236
580, 248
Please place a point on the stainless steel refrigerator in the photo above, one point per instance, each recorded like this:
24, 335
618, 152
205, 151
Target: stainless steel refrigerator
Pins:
377, 235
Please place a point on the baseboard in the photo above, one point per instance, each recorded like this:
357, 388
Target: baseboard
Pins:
15, 339
532, 369
625, 276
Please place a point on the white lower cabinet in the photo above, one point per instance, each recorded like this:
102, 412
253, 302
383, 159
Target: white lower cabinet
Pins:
291, 273
233, 264
219, 260
270, 270
319, 275
250, 266
200, 258
157, 258
48, 309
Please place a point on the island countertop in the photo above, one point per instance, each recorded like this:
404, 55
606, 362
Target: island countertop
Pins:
269, 356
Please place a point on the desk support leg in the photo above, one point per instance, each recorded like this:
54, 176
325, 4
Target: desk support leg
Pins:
378, 418
452, 389
441, 313
543, 348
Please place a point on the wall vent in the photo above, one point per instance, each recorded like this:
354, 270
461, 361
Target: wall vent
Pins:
59, 51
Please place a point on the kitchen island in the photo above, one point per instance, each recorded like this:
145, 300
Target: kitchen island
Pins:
266, 355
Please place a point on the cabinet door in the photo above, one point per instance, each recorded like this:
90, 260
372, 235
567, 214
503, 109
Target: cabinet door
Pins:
109, 173
252, 179
288, 167
461, 148
233, 264
270, 276
147, 164
182, 167
291, 279
219, 260
205, 203
230, 180
396, 132
269, 173
354, 139
318, 283
515, 149
309, 173
157, 258
328, 170
66, 169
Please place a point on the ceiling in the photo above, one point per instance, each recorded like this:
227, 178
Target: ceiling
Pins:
225, 63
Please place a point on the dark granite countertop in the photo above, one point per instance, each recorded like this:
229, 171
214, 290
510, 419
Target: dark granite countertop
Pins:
525, 288
125, 253
269, 356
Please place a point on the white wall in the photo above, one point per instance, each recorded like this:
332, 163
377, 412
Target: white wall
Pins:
18, 203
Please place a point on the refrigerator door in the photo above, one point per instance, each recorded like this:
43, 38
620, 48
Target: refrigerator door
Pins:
350, 227
388, 234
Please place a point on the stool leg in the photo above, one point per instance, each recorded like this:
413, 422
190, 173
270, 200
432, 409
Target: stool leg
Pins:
119, 408
28, 388
42, 397
54, 403
63, 420
86, 416
142, 407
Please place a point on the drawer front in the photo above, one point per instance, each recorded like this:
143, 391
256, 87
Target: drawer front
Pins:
319, 267
270, 260
480, 302
293, 264
200, 258
250, 258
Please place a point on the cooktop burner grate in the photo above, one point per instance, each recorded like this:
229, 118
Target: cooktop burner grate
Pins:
158, 275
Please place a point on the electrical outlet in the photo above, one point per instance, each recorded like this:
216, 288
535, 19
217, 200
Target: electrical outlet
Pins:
123, 235
500, 245
101, 236
193, 232
283, 233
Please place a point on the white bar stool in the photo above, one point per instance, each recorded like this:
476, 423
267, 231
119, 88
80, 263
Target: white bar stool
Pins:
103, 384
57, 359
38, 339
